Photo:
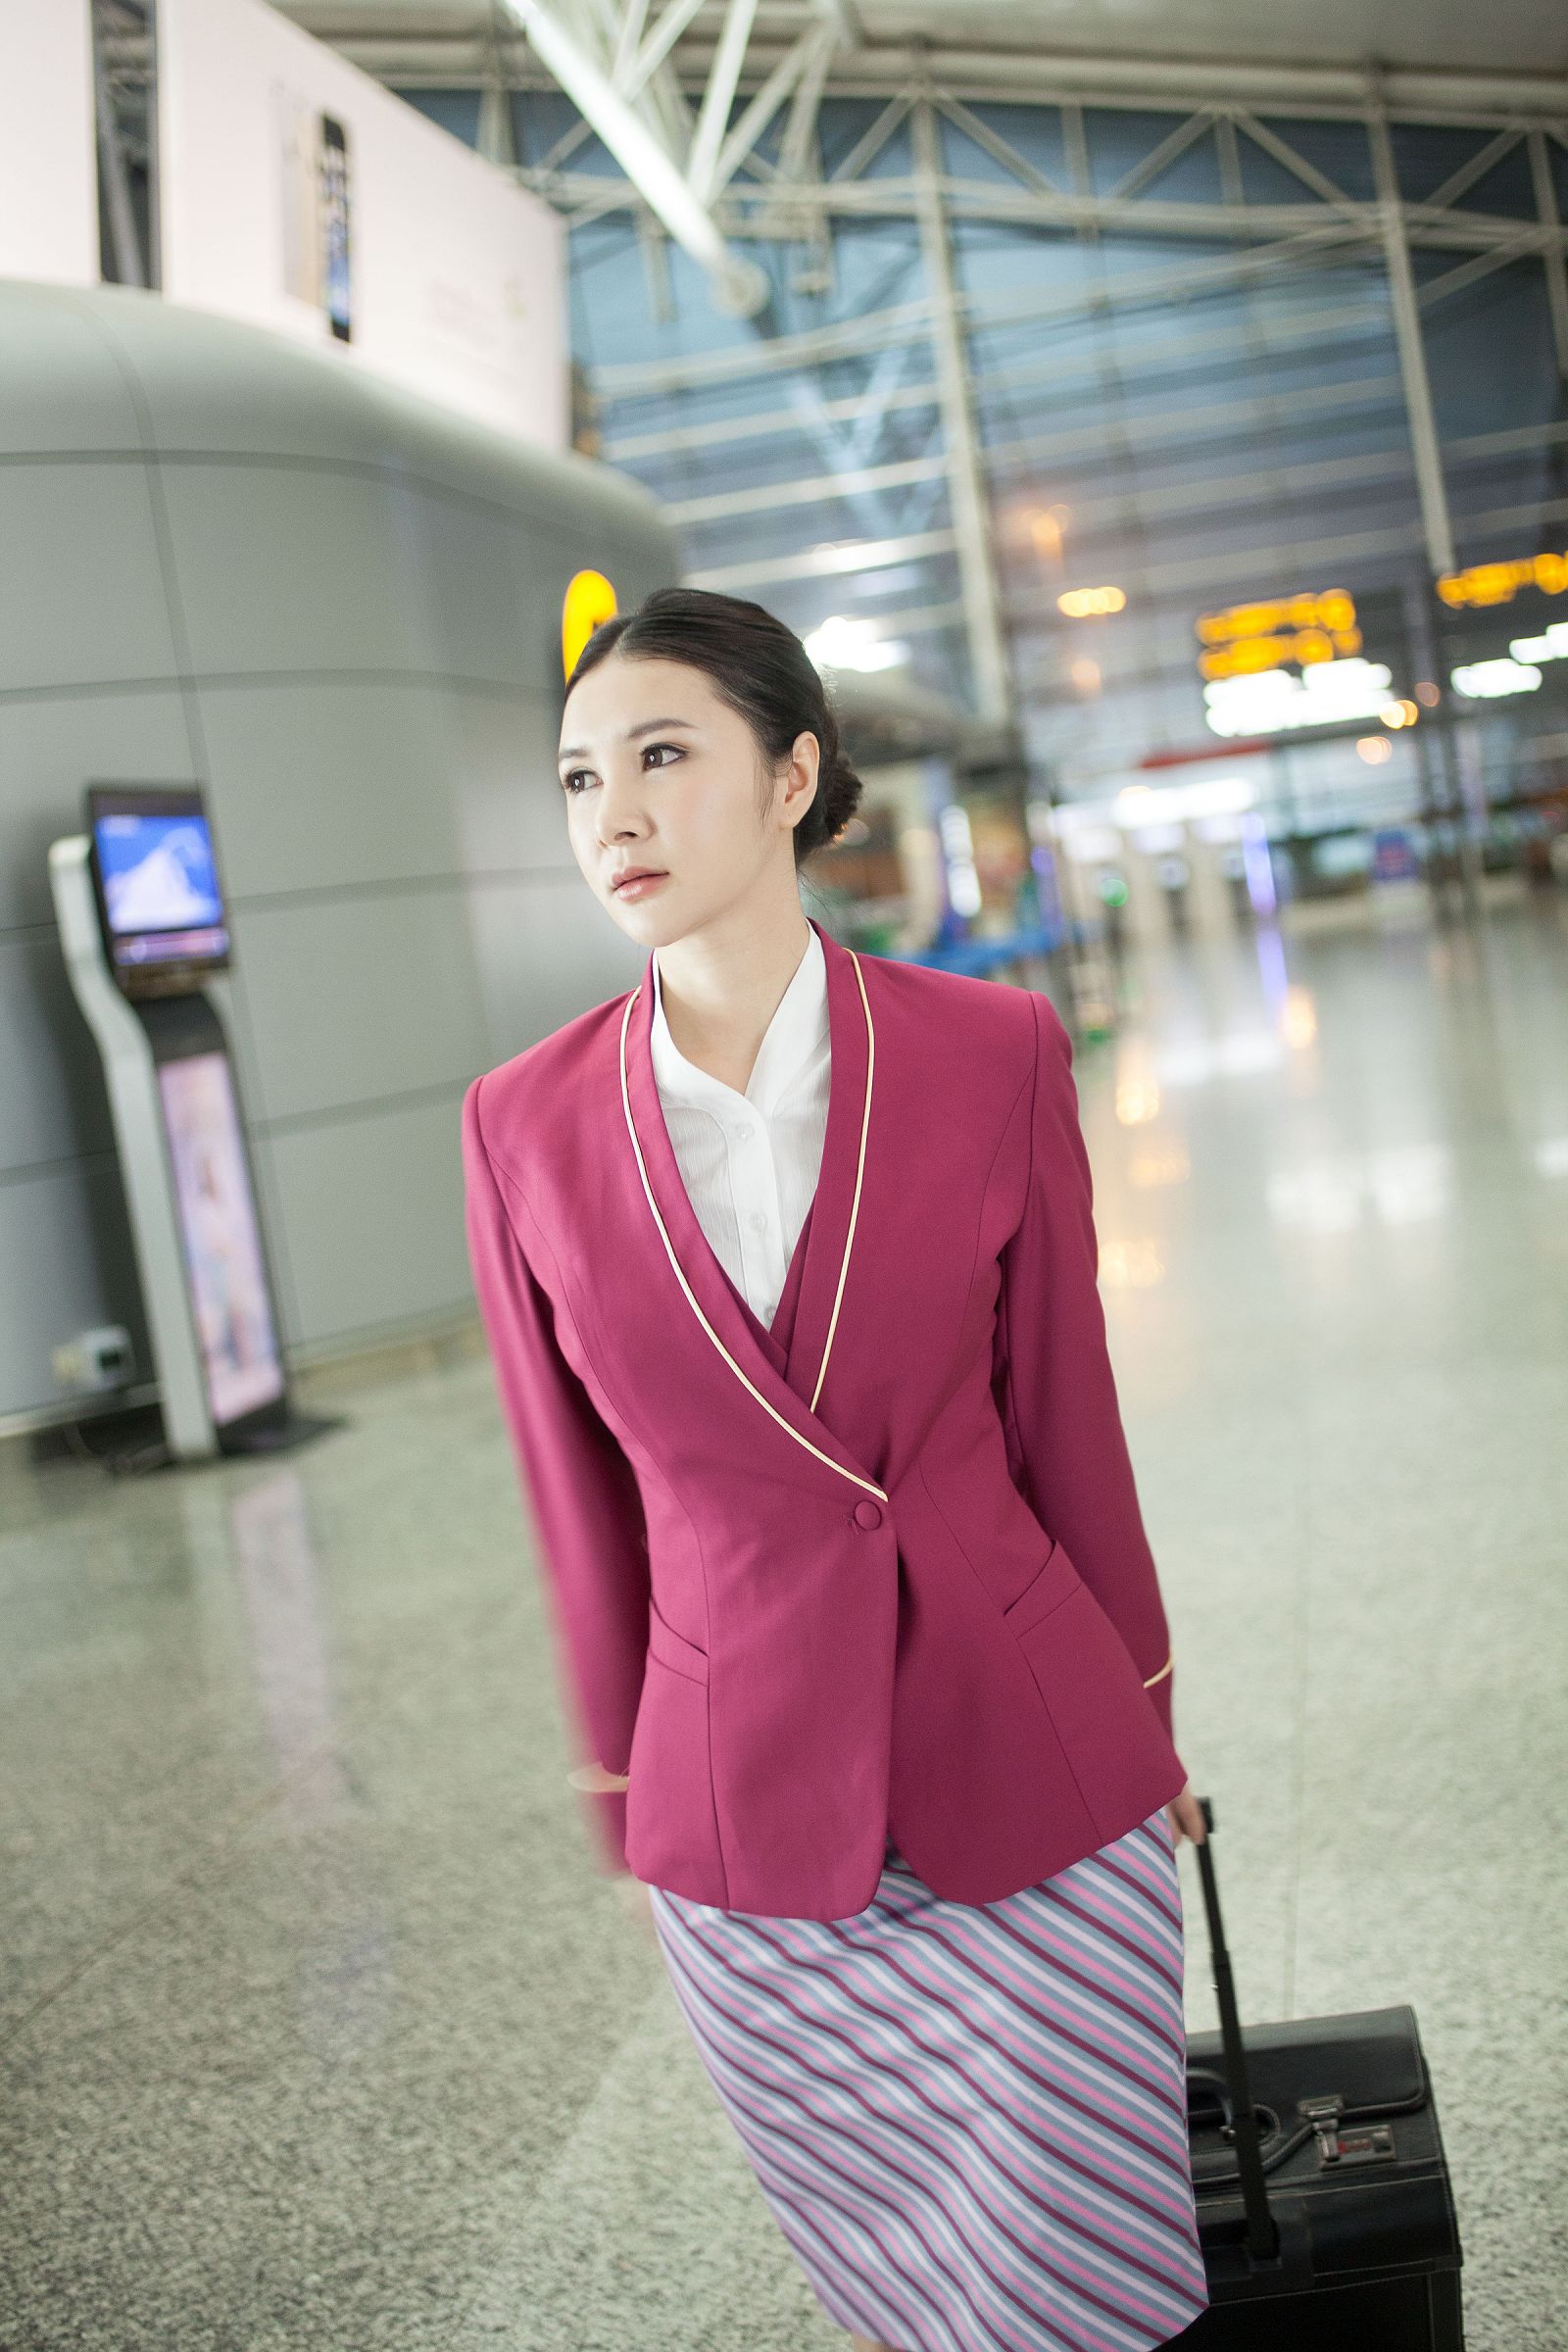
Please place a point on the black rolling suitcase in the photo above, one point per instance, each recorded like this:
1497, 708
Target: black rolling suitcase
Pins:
1324, 2208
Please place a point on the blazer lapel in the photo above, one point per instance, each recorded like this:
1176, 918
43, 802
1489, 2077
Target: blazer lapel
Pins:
788, 1362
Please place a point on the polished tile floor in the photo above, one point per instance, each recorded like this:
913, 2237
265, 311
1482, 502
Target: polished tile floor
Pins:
318, 2027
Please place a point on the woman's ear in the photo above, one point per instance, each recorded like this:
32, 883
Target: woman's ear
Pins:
806, 765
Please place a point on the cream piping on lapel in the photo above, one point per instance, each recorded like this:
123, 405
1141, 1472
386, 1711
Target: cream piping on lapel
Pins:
860, 1171
691, 1300
1165, 1670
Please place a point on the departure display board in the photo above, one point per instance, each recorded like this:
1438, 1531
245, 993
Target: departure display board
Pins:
1281, 632
1485, 584
1315, 657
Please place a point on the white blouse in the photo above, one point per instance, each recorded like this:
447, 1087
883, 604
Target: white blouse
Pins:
751, 1161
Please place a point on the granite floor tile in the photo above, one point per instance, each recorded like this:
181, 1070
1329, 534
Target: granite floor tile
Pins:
650, 2228
319, 2024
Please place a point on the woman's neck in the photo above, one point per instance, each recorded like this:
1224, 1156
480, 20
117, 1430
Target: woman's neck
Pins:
719, 997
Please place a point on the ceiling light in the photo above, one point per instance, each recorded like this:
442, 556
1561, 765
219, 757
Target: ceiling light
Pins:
1079, 604
1484, 681
846, 642
1271, 701
1550, 646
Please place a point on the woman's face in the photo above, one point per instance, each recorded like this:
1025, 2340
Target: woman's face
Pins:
657, 772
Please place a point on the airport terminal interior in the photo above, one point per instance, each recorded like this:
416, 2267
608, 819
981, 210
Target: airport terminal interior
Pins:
1153, 423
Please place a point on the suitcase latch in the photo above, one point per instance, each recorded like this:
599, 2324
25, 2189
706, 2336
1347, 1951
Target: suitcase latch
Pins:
1359, 2143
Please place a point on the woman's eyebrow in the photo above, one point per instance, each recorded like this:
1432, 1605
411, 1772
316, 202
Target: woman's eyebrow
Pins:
646, 726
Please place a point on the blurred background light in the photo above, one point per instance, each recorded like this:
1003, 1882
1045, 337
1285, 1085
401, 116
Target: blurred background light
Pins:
1485, 681
1275, 700
846, 642
1082, 604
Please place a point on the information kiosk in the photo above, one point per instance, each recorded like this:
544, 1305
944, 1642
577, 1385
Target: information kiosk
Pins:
143, 926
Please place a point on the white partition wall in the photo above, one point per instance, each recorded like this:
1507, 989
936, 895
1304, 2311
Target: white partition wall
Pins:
48, 170
297, 193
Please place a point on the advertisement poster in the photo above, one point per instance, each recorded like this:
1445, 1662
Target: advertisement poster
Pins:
299, 194
219, 1236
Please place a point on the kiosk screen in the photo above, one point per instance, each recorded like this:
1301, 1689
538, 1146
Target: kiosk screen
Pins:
160, 887
221, 1240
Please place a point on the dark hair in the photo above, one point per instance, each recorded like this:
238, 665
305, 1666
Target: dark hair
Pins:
760, 670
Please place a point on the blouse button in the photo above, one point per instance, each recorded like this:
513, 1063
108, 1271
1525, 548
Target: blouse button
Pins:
867, 1514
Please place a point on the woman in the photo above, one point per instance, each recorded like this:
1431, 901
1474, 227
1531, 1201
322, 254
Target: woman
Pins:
788, 1267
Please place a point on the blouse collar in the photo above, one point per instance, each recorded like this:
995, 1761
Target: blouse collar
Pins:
797, 1028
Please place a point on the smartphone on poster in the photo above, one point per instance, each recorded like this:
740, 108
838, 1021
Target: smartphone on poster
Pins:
334, 217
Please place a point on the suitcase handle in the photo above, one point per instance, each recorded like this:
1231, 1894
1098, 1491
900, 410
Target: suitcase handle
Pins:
1262, 2235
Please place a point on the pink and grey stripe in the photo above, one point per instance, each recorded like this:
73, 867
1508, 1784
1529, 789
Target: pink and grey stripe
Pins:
969, 2119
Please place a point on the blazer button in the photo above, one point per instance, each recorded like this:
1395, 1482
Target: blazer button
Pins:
867, 1514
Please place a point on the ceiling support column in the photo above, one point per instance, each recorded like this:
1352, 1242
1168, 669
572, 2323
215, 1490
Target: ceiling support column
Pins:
1550, 213
966, 484
1432, 491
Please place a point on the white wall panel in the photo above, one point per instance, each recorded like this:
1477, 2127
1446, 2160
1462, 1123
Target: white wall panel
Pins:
50, 748
80, 588
48, 170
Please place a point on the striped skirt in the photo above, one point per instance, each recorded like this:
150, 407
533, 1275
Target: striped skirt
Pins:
968, 2120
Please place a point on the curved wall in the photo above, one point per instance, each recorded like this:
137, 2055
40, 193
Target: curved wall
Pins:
338, 608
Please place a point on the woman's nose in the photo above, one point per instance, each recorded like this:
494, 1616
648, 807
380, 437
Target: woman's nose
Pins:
619, 811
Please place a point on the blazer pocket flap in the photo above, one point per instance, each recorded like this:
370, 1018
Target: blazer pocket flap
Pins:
1056, 1581
673, 1650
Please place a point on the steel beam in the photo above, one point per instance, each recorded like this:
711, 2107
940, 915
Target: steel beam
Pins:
130, 265
739, 285
1309, 326
636, 65
1349, 223
1552, 256
1215, 572
723, 74
830, 561
1037, 74
1436, 523
1460, 97
495, 140
756, 117
967, 486
909, 322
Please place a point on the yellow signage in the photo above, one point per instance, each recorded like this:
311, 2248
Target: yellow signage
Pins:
1500, 583
1246, 639
589, 600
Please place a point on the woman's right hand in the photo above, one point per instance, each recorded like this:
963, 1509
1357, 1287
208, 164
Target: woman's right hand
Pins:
595, 1781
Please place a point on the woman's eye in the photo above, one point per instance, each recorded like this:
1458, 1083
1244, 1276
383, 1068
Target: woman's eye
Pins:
569, 782
662, 747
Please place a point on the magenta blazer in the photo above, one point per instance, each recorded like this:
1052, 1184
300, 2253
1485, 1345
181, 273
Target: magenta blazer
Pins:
879, 1570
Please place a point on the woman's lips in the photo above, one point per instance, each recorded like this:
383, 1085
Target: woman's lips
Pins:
639, 886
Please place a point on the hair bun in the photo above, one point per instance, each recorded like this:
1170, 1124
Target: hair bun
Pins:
838, 790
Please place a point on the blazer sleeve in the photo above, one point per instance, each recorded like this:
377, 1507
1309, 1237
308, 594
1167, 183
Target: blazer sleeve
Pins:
581, 1489
1053, 1383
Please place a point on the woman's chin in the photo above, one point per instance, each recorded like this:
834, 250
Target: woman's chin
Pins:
652, 921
